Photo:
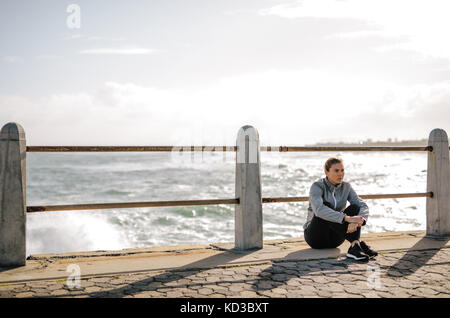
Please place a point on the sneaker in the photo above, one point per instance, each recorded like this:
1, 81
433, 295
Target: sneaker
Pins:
367, 250
357, 253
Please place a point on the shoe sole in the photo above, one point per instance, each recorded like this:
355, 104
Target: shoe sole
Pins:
357, 258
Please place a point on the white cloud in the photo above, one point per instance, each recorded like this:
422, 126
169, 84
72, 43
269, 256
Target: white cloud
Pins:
420, 25
289, 107
119, 51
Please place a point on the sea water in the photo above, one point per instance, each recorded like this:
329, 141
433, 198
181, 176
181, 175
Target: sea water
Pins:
81, 178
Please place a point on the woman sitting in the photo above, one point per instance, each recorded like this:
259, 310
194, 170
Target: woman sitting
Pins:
329, 223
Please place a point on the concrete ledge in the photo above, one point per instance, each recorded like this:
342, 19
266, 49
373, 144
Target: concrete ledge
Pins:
190, 257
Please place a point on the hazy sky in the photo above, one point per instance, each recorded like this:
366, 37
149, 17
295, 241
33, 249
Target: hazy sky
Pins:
184, 72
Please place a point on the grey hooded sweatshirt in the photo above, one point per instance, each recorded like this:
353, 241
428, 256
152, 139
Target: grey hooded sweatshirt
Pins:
322, 191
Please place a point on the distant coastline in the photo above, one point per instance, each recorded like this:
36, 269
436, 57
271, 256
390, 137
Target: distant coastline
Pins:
370, 142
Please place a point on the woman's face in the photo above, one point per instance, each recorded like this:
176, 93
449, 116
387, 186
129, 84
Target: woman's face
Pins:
336, 173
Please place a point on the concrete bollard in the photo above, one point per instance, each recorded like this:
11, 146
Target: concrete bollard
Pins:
438, 182
12, 195
248, 213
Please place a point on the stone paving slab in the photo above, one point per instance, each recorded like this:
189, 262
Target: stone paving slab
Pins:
422, 270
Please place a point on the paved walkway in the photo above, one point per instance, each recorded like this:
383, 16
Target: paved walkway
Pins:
284, 268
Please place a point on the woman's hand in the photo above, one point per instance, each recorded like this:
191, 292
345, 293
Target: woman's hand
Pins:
352, 227
358, 219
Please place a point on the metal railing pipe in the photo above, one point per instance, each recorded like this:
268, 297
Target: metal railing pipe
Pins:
127, 205
218, 148
148, 204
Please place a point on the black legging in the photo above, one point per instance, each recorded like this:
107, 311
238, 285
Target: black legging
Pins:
321, 233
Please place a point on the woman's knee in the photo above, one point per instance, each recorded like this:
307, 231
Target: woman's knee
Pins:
352, 210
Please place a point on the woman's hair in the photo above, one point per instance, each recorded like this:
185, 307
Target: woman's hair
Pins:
331, 161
